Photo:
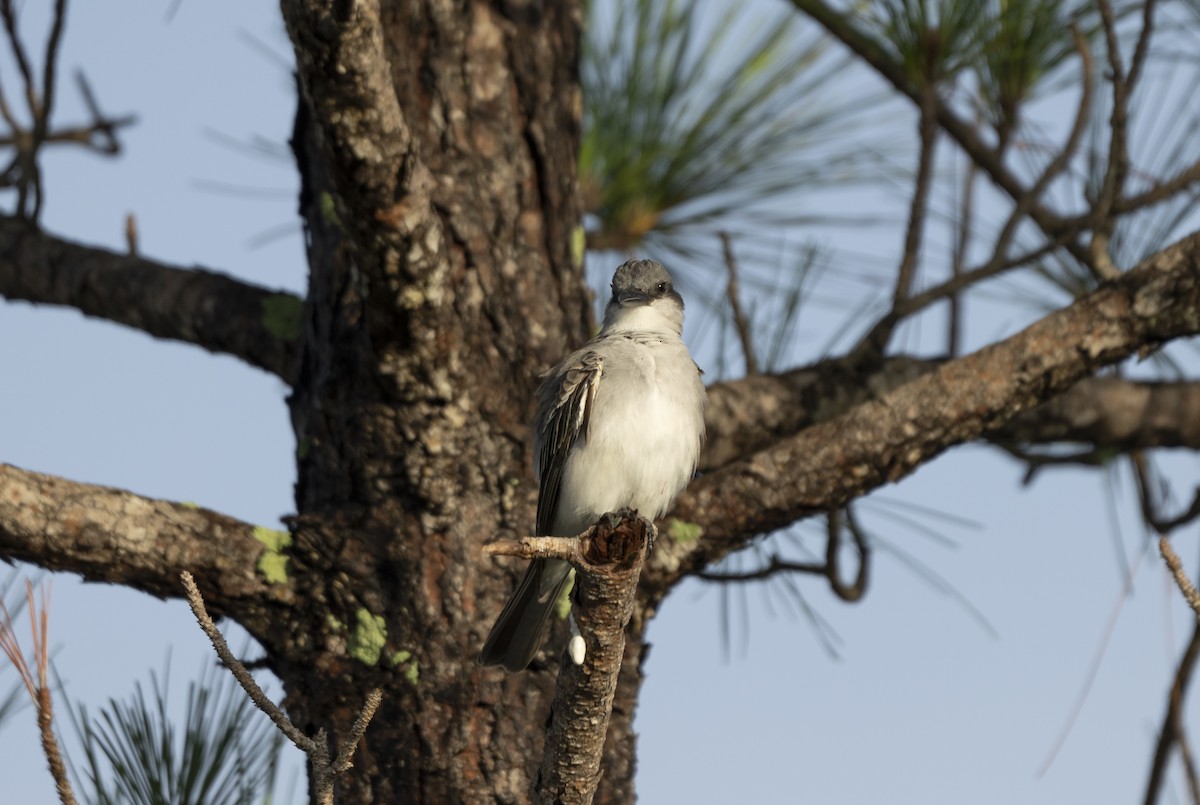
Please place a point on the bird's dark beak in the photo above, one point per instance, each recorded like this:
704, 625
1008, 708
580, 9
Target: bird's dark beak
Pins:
630, 298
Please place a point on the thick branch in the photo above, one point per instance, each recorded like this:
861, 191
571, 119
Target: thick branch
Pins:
747, 415
200, 307
1114, 414
115, 536
885, 439
344, 74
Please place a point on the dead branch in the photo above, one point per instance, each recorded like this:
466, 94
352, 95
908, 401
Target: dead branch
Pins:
325, 771
197, 306
1172, 733
608, 560
27, 139
115, 536
1147, 499
830, 568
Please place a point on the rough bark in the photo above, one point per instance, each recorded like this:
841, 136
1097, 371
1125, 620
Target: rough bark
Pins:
437, 147
1109, 413
1113, 415
200, 307
118, 537
608, 561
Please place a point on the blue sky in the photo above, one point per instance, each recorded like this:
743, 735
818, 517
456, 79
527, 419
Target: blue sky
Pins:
924, 704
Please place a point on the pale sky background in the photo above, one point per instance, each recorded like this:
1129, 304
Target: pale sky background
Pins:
924, 704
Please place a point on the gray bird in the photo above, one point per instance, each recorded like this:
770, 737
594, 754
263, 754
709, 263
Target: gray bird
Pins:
619, 425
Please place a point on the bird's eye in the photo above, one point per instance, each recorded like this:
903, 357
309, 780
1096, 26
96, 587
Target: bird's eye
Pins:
663, 287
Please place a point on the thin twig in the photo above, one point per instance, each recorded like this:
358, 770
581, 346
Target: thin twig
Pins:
536, 547
854, 592
260, 699
962, 244
830, 568
324, 771
350, 743
841, 25
740, 322
1161, 524
1185, 755
1103, 219
774, 566
1190, 594
19, 54
927, 132
874, 344
1170, 730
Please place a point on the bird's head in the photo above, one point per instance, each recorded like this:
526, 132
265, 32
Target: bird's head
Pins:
643, 299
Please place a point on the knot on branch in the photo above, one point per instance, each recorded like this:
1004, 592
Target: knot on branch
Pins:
618, 539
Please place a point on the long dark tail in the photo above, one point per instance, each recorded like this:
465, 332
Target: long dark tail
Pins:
518, 631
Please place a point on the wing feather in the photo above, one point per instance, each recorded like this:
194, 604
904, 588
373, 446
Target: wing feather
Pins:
564, 411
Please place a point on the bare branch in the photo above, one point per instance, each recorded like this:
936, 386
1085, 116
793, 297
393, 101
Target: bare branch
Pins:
1173, 718
1171, 732
260, 699
1110, 413
904, 303
197, 306
608, 560
989, 159
829, 568
115, 536
1161, 524
324, 770
740, 321
875, 343
883, 440
774, 567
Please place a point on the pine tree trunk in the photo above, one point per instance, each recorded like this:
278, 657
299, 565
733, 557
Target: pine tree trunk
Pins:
439, 291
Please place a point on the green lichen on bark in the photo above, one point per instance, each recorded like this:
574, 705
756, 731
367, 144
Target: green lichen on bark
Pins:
683, 532
366, 642
273, 561
411, 672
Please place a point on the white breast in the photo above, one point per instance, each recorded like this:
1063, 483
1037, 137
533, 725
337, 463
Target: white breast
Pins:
644, 436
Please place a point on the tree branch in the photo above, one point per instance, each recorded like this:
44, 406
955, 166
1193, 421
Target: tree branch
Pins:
1110, 413
345, 75
885, 439
1171, 732
324, 770
199, 307
115, 536
608, 560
